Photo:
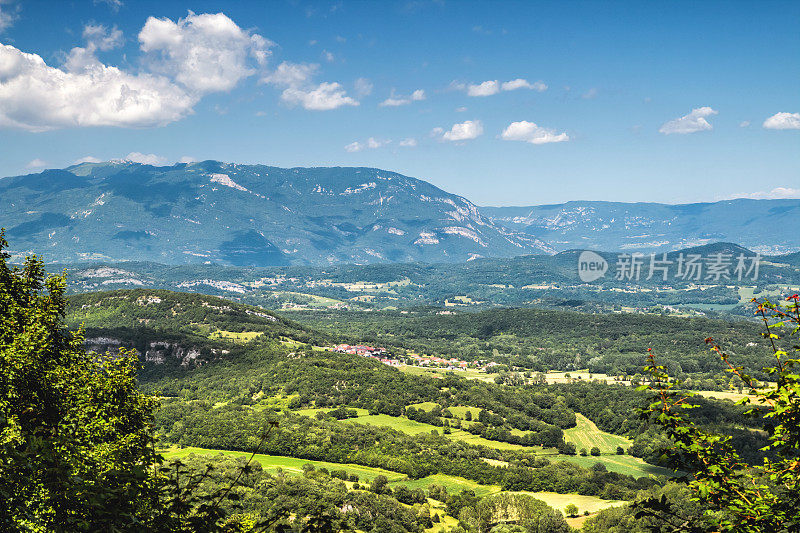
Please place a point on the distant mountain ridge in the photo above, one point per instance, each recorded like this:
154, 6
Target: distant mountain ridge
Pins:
245, 215
759, 225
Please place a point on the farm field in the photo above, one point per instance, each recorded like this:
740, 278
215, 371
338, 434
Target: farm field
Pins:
584, 503
310, 300
723, 395
412, 427
290, 465
623, 464
236, 336
550, 377
439, 373
314, 410
586, 435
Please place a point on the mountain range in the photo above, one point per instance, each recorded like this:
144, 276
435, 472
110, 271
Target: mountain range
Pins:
257, 215
245, 215
763, 226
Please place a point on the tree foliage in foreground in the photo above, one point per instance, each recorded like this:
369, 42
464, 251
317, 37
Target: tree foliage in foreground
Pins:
76, 441
735, 496
75, 447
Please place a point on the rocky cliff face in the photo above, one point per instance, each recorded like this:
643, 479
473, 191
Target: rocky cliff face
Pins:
156, 352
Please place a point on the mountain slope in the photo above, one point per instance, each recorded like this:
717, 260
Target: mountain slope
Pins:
754, 224
245, 215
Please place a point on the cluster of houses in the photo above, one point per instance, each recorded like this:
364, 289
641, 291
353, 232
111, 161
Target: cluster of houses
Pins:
359, 349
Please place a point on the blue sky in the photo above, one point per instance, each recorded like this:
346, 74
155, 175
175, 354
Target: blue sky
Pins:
505, 103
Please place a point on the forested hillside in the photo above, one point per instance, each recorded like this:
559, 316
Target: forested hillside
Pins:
542, 340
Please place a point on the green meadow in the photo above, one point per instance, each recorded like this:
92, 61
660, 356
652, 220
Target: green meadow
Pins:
586, 435
289, 465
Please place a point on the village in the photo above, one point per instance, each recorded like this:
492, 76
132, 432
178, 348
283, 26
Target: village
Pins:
412, 359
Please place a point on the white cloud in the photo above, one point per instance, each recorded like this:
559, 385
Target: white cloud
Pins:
187, 159
461, 109
691, 123
37, 97
371, 143
363, 87
463, 131
531, 133
591, 93
113, 4
778, 193
323, 97
36, 163
101, 38
87, 159
521, 83
296, 77
7, 17
744, 124
98, 38
395, 101
486, 88
145, 159
291, 74
375, 143
410, 142
783, 121
196, 55
206, 52
491, 87
328, 56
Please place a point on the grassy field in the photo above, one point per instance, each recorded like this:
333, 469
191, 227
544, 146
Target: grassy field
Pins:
723, 395
413, 427
290, 465
310, 300
425, 406
586, 435
313, 411
460, 411
624, 464
436, 372
584, 503
399, 423
240, 337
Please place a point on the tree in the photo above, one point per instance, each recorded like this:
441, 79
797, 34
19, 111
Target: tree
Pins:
595, 451
77, 451
571, 510
743, 498
379, 484
75, 445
